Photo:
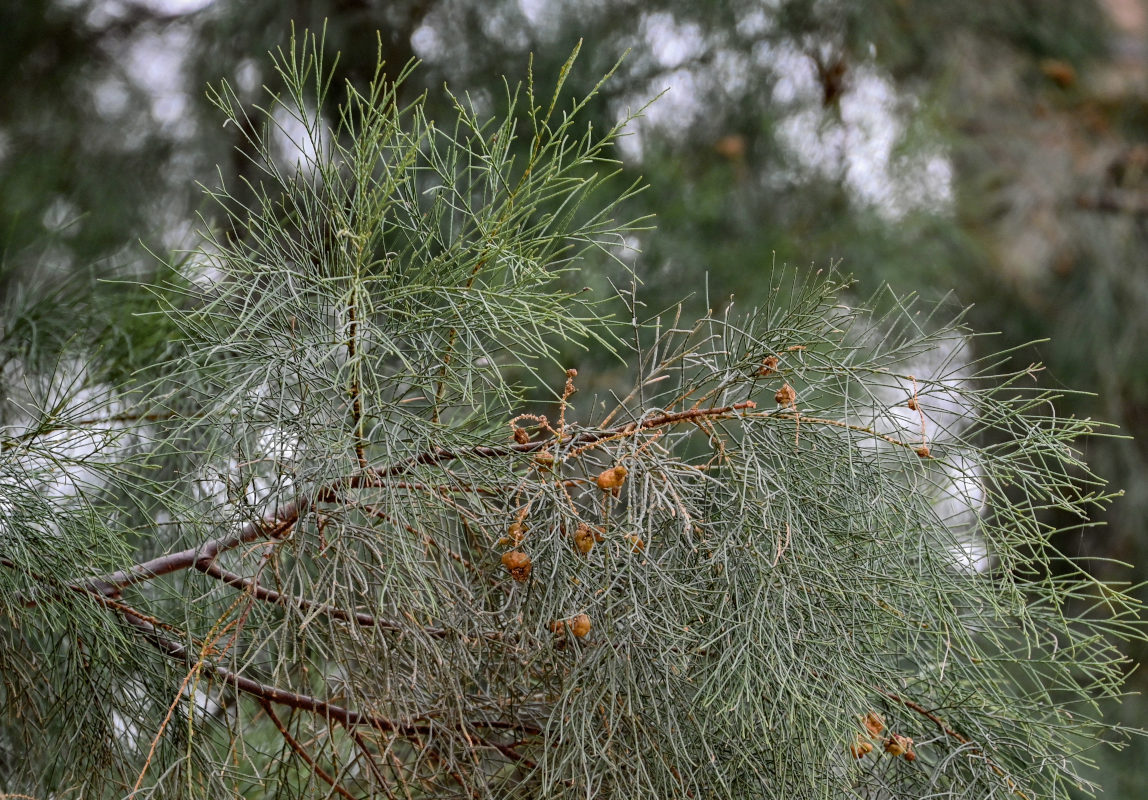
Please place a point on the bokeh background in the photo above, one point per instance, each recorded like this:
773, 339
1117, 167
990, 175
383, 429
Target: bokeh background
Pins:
984, 153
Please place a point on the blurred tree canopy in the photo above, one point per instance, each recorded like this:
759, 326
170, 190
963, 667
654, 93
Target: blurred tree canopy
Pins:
989, 152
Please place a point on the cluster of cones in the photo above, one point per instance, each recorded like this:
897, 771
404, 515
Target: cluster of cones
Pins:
894, 743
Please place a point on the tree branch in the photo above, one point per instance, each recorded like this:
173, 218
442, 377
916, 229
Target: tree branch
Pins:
302, 753
273, 694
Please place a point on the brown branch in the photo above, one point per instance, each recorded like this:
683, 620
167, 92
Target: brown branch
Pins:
280, 521
273, 526
212, 569
375, 477
304, 702
260, 592
950, 732
370, 758
277, 524
302, 753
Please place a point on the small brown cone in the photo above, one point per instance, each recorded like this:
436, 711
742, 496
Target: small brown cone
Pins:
584, 538
611, 480
785, 396
580, 626
517, 564
898, 745
860, 747
874, 723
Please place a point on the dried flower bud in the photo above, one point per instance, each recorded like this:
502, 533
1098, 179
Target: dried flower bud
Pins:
580, 626
637, 545
786, 396
571, 373
544, 461
517, 564
860, 747
874, 723
768, 366
584, 538
521, 436
923, 451
913, 404
516, 532
910, 755
556, 626
611, 480
898, 745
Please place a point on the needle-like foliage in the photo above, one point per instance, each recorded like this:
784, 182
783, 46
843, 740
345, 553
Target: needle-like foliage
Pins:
334, 549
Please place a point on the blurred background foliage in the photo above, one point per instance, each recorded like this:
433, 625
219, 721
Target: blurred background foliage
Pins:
993, 154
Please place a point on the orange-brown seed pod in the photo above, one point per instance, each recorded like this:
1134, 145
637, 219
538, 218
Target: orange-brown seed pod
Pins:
898, 745
584, 538
923, 451
521, 436
517, 564
611, 480
516, 532
860, 748
580, 626
873, 723
910, 755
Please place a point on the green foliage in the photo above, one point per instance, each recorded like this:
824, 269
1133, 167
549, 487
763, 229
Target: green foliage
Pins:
328, 549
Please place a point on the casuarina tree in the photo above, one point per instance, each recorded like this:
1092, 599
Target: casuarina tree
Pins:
409, 511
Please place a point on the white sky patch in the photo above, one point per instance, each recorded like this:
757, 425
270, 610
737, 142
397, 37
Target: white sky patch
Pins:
796, 76
673, 112
248, 76
970, 554
298, 137
61, 216
427, 43
540, 14
755, 22
173, 6
278, 445
859, 146
962, 498
944, 411
670, 42
156, 62
732, 70
110, 96
956, 485
67, 461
